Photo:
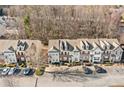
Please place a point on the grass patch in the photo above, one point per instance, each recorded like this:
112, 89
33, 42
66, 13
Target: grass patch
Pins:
11, 65
108, 64
2, 65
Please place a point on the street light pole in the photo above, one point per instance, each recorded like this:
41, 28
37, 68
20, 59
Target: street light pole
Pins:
36, 82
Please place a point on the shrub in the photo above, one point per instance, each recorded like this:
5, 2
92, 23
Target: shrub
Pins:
46, 65
65, 64
39, 72
76, 63
42, 66
70, 65
29, 63
23, 65
108, 64
11, 65
88, 64
2, 65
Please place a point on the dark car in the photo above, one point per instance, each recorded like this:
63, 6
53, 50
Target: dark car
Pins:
1, 69
100, 69
26, 71
87, 70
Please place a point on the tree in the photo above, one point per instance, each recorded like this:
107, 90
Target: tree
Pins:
9, 82
53, 22
27, 26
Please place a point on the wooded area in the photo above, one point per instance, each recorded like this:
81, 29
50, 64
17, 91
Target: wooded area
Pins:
52, 22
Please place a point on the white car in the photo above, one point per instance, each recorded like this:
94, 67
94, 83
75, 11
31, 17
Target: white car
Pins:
11, 71
5, 71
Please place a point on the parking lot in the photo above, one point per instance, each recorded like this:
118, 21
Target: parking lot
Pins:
17, 72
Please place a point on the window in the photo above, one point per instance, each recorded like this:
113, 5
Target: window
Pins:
22, 53
62, 53
12, 54
10, 59
107, 52
19, 48
97, 52
96, 58
18, 53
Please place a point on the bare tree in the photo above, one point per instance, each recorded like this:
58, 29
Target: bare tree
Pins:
52, 22
10, 82
42, 58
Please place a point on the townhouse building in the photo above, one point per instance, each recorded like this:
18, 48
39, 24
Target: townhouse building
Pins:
18, 51
84, 50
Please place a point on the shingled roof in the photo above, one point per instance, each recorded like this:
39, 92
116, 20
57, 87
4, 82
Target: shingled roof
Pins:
53, 49
92, 43
6, 44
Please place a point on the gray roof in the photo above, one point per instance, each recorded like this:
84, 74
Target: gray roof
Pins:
76, 49
53, 49
23, 43
92, 43
5, 44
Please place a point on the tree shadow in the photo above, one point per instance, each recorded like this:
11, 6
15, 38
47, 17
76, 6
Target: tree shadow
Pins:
73, 76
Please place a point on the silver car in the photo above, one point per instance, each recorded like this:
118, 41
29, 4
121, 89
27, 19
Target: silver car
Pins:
5, 71
11, 71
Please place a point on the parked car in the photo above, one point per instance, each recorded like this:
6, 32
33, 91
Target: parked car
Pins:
100, 69
12, 71
1, 69
27, 71
87, 70
5, 71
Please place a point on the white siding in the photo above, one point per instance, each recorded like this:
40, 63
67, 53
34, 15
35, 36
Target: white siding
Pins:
75, 56
10, 57
118, 54
97, 55
53, 57
20, 48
